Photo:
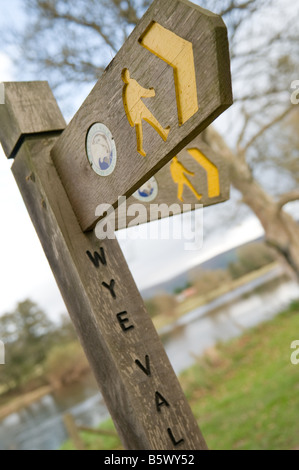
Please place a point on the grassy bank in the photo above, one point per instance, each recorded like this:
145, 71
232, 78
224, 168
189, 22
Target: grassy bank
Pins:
66, 363
245, 393
16, 404
197, 301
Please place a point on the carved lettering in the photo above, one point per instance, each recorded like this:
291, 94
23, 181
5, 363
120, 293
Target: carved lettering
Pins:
147, 368
110, 287
123, 320
161, 401
97, 258
173, 439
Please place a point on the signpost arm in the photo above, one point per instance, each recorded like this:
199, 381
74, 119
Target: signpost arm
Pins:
129, 362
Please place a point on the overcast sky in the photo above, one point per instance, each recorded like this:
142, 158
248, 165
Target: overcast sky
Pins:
25, 273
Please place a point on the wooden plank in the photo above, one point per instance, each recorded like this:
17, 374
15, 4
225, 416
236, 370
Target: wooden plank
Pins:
163, 76
137, 381
29, 108
211, 182
73, 431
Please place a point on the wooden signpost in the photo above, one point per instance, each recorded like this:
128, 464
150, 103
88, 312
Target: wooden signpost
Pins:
137, 381
178, 58
169, 81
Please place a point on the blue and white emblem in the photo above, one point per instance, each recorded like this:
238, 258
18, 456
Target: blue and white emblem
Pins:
101, 149
148, 191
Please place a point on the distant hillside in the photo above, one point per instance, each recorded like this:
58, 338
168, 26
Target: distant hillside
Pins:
221, 261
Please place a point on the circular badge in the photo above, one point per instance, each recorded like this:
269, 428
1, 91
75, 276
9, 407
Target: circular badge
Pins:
101, 150
148, 192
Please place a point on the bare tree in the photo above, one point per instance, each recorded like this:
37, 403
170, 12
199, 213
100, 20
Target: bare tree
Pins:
282, 231
72, 41
75, 41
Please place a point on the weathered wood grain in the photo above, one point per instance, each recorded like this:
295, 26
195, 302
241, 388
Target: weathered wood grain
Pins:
208, 35
117, 334
168, 190
29, 108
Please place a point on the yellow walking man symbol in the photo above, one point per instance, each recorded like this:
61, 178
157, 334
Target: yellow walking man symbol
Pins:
178, 171
136, 109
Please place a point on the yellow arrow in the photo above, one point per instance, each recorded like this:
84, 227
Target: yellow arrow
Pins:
178, 53
211, 169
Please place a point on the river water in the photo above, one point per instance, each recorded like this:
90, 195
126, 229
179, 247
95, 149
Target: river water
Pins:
40, 426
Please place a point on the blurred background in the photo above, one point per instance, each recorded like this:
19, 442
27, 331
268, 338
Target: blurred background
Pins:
227, 313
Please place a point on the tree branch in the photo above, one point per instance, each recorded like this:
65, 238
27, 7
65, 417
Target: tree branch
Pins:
243, 131
54, 14
268, 126
233, 6
288, 197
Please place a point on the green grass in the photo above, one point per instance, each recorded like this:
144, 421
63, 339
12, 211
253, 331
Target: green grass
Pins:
93, 442
245, 393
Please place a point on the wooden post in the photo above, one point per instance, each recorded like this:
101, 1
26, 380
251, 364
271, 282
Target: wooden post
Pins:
137, 381
73, 431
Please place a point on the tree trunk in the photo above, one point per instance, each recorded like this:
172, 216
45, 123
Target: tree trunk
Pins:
281, 230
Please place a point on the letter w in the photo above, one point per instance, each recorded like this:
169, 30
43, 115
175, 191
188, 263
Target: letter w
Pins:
97, 258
